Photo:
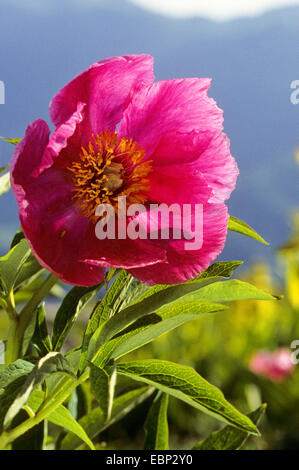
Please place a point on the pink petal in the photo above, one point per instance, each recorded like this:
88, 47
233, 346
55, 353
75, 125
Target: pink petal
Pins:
181, 184
52, 227
219, 168
126, 254
65, 143
170, 106
105, 88
204, 153
182, 265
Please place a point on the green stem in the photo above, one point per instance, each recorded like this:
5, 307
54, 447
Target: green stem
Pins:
19, 322
63, 390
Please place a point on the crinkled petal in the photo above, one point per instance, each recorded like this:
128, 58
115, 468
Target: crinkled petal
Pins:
105, 88
49, 221
65, 142
170, 106
198, 153
182, 264
123, 253
181, 184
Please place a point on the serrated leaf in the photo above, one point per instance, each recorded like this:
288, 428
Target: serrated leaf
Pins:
106, 308
94, 422
229, 438
102, 386
61, 417
72, 305
50, 364
187, 385
237, 225
150, 327
156, 425
11, 264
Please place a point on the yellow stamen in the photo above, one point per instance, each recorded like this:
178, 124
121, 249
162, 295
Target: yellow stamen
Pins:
109, 167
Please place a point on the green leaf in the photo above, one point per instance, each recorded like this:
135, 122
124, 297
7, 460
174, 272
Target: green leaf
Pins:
110, 275
11, 141
2, 355
229, 438
11, 264
19, 235
187, 385
156, 297
61, 417
4, 183
102, 386
8, 395
150, 327
106, 308
32, 439
28, 334
72, 305
222, 269
3, 169
228, 291
239, 226
41, 338
29, 271
19, 368
156, 425
94, 422
50, 364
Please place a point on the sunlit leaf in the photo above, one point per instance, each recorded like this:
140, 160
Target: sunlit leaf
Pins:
156, 425
187, 385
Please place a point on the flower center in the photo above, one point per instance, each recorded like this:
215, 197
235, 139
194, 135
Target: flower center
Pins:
109, 167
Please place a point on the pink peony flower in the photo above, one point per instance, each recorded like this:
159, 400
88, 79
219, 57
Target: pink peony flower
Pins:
276, 366
119, 134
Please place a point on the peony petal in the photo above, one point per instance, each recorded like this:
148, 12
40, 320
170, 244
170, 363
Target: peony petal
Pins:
105, 88
126, 254
181, 184
219, 168
49, 221
183, 264
64, 143
207, 154
170, 106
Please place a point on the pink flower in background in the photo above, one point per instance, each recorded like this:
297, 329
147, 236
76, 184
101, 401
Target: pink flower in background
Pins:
119, 134
276, 366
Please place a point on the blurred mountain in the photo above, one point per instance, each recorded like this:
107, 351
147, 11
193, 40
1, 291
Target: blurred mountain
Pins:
252, 62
